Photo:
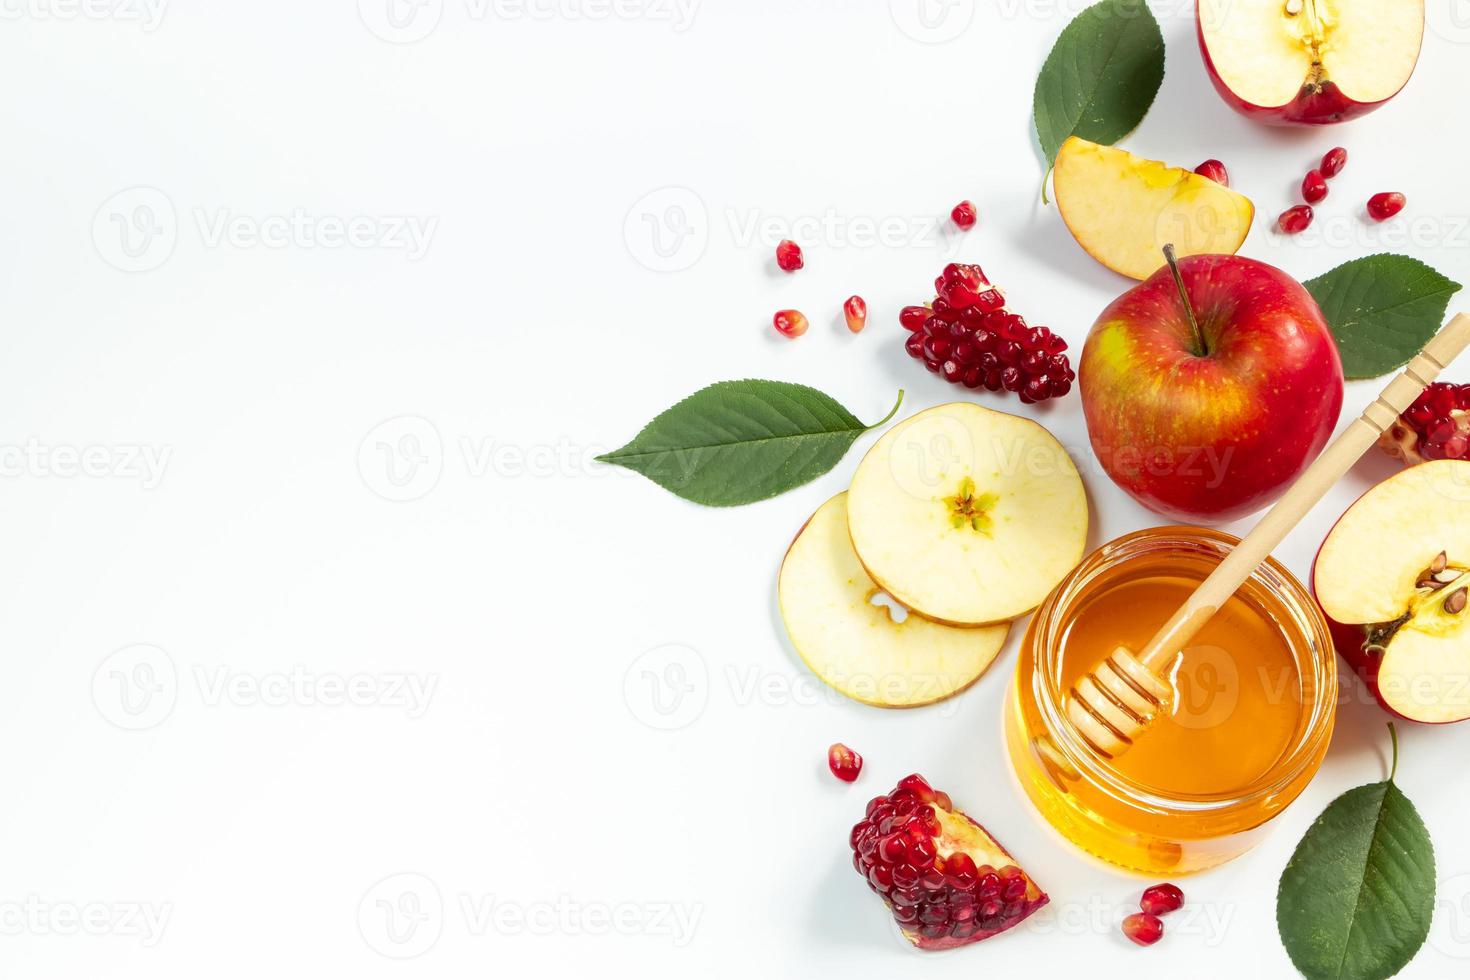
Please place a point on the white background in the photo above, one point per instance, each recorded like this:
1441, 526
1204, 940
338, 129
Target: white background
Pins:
370, 467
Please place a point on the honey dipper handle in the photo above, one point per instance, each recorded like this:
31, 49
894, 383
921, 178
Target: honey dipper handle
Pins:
1309, 488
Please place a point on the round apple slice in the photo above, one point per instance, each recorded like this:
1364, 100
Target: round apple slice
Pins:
967, 516
1393, 576
858, 647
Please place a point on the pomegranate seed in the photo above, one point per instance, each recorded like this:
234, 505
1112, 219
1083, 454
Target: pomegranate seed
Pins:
1333, 162
1215, 170
1161, 899
844, 762
1295, 220
1381, 207
855, 311
789, 323
1143, 929
967, 337
913, 317
964, 215
1314, 186
788, 256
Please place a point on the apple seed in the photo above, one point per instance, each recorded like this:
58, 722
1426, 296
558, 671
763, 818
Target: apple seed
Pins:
1457, 601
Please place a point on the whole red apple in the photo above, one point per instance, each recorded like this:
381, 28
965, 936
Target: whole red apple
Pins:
1305, 63
1207, 412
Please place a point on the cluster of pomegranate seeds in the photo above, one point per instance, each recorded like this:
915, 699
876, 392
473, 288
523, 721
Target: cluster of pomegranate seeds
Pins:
936, 891
1145, 928
1215, 170
967, 336
1314, 187
789, 323
855, 312
1295, 220
788, 256
1436, 426
1381, 207
1333, 161
844, 762
964, 215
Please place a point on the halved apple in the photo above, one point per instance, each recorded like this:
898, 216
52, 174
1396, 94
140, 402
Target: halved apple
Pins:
1123, 209
1393, 577
967, 515
859, 647
1309, 62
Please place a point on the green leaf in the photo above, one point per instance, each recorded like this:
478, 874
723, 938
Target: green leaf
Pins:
1382, 309
737, 442
1100, 78
1357, 897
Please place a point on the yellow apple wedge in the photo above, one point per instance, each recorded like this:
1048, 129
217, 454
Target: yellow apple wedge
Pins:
1123, 209
859, 648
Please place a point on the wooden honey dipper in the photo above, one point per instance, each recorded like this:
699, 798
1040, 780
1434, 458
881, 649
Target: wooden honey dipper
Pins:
1111, 706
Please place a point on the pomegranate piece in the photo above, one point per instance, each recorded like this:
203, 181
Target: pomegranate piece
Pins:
788, 256
789, 323
1333, 161
967, 336
1381, 207
1314, 187
1436, 426
1295, 220
1215, 170
1143, 929
1161, 899
945, 880
855, 312
964, 215
844, 762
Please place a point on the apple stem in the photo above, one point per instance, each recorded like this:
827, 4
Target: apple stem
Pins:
1200, 347
1394, 765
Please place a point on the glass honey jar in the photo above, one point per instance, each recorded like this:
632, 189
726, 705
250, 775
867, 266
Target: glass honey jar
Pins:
1255, 698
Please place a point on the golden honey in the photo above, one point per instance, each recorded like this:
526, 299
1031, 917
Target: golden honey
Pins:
1255, 693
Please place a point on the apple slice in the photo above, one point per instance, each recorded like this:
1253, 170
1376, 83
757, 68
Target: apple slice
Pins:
1123, 209
966, 515
1309, 62
858, 647
1393, 576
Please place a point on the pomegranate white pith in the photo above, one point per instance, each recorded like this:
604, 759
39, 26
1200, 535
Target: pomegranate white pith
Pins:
1394, 576
967, 515
859, 648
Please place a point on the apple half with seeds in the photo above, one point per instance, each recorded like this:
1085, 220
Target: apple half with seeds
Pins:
1393, 577
1123, 209
1309, 62
966, 515
861, 648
